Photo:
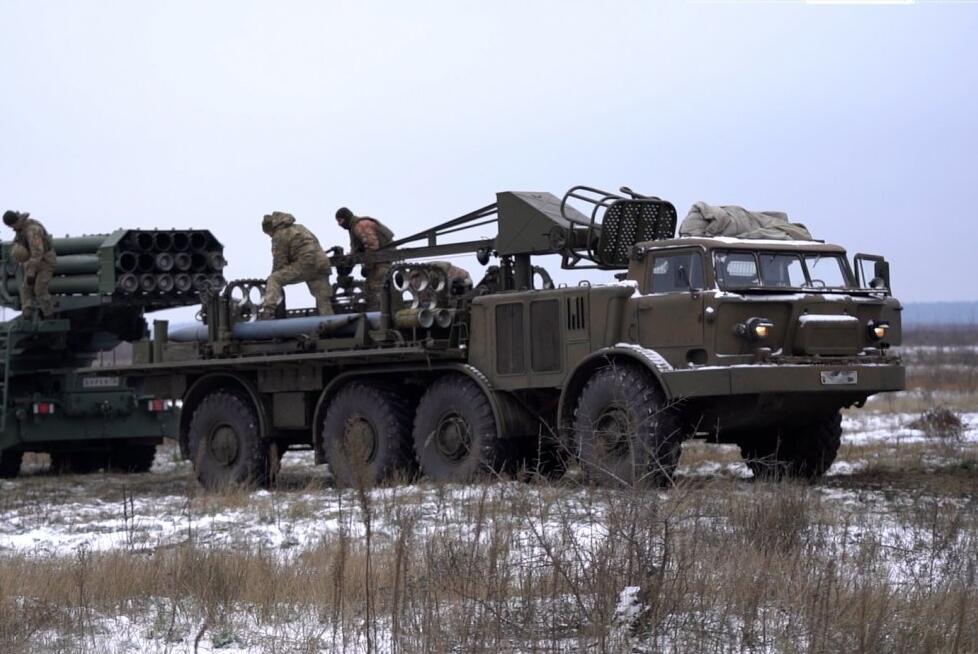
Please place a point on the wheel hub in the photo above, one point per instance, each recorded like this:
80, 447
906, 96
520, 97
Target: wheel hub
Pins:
453, 437
614, 430
359, 439
224, 444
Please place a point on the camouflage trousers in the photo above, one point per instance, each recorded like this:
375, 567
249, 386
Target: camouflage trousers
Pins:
316, 278
38, 294
373, 284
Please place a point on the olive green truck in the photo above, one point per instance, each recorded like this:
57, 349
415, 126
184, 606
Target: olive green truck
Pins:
759, 343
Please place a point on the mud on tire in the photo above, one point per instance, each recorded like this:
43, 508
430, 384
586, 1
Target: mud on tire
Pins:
455, 435
367, 435
225, 441
624, 432
803, 451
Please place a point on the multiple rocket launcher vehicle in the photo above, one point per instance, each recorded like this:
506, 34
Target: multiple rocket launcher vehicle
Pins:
735, 341
103, 286
157, 267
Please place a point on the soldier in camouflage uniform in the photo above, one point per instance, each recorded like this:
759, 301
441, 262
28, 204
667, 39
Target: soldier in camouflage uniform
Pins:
367, 235
297, 257
34, 249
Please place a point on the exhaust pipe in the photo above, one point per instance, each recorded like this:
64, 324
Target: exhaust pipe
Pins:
200, 282
198, 262
217, 282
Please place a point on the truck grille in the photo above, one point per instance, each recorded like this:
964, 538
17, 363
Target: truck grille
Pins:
828, 335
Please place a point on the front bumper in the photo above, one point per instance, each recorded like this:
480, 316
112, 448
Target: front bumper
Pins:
761, 378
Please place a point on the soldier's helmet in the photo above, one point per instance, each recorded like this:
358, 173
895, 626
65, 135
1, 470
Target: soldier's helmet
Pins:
11, 217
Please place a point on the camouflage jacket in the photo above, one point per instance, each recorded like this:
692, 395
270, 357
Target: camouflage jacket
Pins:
368, 234
36, 240
294, 244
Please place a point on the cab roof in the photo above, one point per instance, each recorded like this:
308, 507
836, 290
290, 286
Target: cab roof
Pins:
728, 243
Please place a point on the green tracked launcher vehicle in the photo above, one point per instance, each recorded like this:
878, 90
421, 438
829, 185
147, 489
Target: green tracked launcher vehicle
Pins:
758, 343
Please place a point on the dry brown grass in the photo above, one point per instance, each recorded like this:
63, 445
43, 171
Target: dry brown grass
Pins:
722, 566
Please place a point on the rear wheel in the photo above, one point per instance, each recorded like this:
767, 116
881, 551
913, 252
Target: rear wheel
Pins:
804, 451
624, 431
455, 435
10, 464
367, 432
226, 443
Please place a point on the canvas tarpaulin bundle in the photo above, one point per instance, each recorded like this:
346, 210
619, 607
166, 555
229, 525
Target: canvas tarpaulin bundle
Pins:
707, 220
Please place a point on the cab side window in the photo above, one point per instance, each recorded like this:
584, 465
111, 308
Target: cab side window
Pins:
677, 272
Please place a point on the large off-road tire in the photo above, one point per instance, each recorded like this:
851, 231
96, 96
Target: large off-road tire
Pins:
132, 458
226, 445
455, 435
624, 431
803, 451
367, 435
10, 464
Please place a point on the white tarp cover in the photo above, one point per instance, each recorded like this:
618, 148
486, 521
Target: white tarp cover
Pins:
707, 220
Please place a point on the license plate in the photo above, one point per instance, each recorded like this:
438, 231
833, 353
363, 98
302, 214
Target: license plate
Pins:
840, 377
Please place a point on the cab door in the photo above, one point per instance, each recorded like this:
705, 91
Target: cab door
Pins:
670, 313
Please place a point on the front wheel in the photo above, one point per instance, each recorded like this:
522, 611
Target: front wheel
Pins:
455, 435
625, 433
803, 451
226, 443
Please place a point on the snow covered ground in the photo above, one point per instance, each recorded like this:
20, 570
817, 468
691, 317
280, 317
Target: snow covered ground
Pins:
49, 518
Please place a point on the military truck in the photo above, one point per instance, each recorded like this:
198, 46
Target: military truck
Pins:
104, 285
758, 343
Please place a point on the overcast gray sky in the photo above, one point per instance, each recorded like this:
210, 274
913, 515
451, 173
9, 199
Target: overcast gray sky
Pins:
857, 120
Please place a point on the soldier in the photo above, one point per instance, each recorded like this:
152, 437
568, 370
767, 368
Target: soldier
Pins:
297, 257
368, 235
34, 249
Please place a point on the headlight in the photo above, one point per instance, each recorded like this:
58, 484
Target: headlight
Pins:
755, 329
878, 330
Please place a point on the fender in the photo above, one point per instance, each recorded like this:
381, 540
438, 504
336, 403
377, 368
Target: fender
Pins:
649, 359
200, 388
501, 414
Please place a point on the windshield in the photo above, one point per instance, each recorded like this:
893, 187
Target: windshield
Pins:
787, 270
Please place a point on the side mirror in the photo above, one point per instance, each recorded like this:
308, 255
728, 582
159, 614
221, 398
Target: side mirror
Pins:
881, 272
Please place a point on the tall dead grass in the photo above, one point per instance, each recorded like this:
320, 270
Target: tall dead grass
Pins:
721, 566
